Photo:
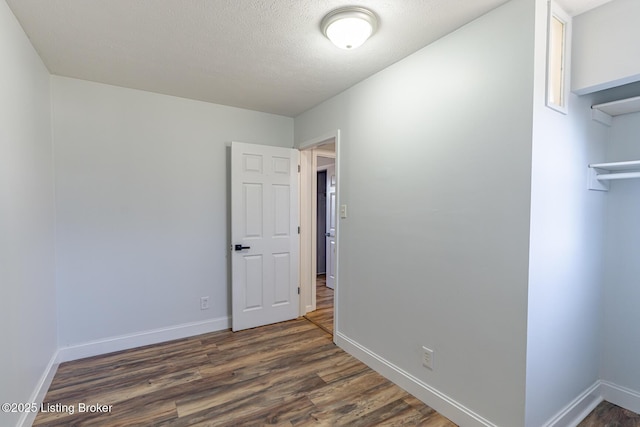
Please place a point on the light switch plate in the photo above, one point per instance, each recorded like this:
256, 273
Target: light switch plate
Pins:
427, 357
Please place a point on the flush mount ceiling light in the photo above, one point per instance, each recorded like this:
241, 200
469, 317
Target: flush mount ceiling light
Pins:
349, 27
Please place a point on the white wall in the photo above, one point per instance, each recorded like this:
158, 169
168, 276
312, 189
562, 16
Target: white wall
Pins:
436, 154
565, 264
621, 339
28, 302
141, 199
606, 52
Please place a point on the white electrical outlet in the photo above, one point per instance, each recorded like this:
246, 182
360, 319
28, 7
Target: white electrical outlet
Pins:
204, 303
427, 358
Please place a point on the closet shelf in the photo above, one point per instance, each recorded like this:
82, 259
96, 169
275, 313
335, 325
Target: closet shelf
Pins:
617, 108
604, 113
601, 173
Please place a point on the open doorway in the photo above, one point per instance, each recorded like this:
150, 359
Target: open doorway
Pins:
325, 216
319, 236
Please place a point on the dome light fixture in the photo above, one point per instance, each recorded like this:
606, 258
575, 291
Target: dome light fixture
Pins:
349, 27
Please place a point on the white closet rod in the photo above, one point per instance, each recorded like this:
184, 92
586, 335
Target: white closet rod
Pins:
601, 173
631, 165
623, 175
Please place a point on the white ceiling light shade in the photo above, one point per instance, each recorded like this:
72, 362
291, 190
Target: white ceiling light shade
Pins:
349, 27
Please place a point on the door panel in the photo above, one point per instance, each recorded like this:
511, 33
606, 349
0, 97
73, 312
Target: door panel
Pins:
282, 206
264, 222
253, 278
252, 194
282, 265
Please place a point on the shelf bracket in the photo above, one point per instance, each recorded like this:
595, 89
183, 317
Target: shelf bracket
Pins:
594, 183
601, 117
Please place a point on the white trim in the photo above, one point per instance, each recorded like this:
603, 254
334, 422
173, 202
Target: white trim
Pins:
556, 11
139, 339
621, 396
37, 397
307, 300
439, 401
319, 152
314, 142
337, 289
313, 234
576, 411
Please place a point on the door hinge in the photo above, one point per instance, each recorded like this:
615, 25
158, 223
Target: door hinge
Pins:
298, 168
298, 290
298, 229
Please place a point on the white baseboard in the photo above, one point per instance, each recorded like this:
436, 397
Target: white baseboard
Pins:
601, 390
27, 418
578, 409
442, 403
139, 339
621, 396
570, 416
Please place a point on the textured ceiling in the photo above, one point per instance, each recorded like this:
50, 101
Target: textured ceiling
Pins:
264, 55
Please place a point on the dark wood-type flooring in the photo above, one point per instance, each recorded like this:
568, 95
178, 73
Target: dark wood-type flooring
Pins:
609, 415
323, 316
288, 374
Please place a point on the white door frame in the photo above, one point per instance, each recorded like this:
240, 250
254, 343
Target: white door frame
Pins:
308, 222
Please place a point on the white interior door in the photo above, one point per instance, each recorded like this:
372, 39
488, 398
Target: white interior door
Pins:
331, 227
264, 233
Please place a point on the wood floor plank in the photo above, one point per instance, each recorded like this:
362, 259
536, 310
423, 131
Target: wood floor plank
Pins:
127, 358
133, 382
250, 401
335, 394
349, 410
394, 412
299, 381
279, 414
342, 368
